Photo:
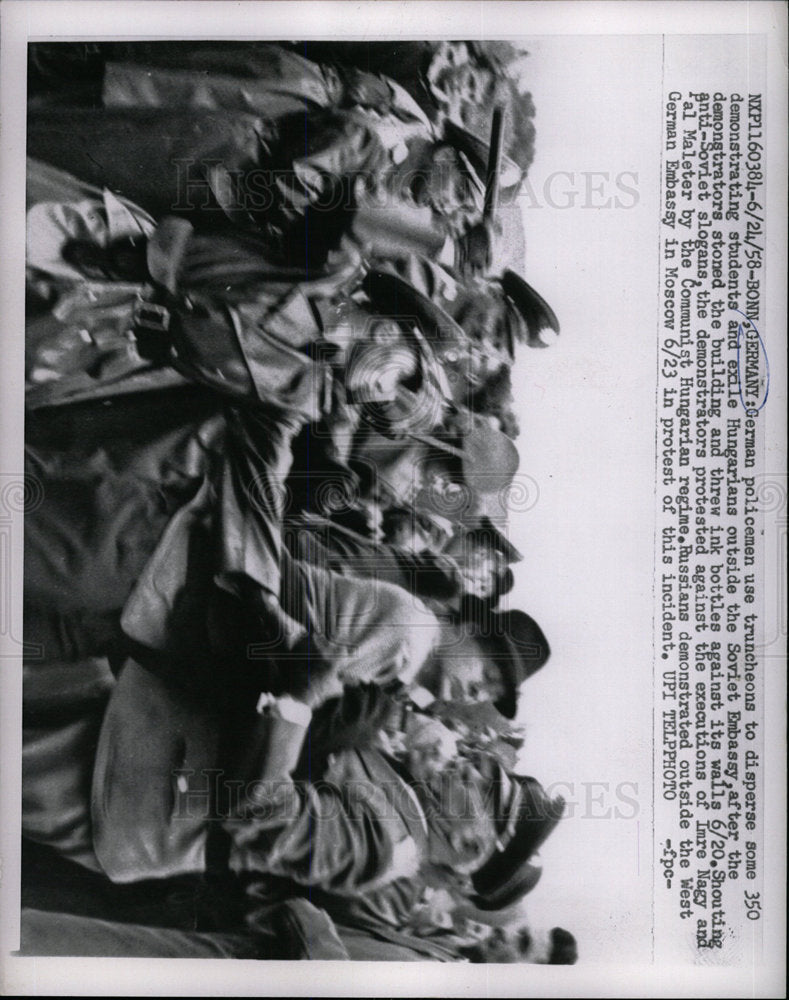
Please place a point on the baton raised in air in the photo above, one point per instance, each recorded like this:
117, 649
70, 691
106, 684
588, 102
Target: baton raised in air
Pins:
494, 164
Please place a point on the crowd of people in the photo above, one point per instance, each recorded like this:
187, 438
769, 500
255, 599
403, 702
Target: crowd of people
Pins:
271, 672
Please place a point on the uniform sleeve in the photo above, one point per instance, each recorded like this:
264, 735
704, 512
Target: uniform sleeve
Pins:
339, 837
352, 720
371, 631
295, 929
316, 157
429, 576
283, 83
254, 352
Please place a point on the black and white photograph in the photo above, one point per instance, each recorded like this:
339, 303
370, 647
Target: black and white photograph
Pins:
393, 499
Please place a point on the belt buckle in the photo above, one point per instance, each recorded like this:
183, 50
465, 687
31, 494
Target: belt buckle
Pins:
152, 316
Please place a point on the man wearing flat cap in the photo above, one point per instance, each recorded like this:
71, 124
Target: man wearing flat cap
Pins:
487, 660
526, 817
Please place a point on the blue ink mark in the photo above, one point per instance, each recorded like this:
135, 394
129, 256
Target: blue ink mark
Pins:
751, 410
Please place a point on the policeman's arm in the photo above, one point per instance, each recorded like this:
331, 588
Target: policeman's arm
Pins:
339, 838
352, 720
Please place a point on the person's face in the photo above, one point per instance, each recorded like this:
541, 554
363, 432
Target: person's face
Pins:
459, 671
484, 322
386, 331
479, 569
431, 747
463, 837
447, 189
492, 346
466, 91
485, 360
453, 53
472, 678
477, 361
466, 83
498, 947
535, 945
400, 479
515, 944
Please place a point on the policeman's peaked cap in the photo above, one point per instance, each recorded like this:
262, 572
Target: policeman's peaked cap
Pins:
531, 306
394, 297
